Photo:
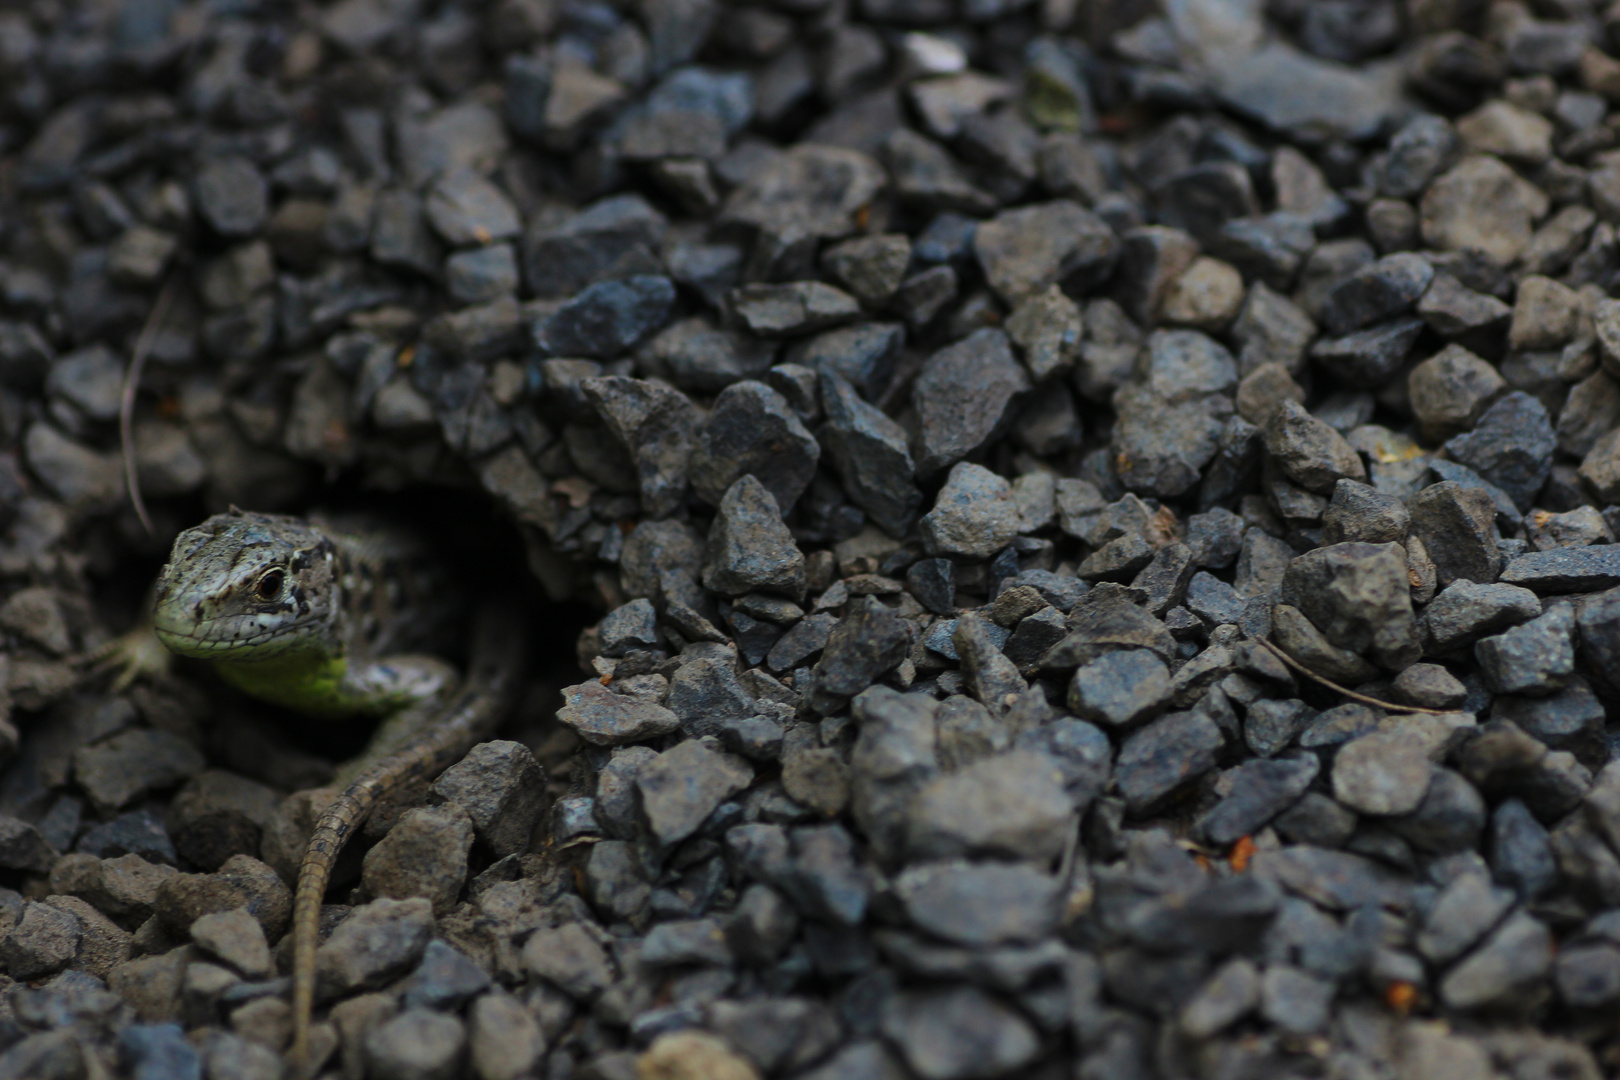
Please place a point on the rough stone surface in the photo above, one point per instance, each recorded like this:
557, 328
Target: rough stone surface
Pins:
1064, 539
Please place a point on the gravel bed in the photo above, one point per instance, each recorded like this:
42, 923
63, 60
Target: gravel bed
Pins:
1078, 537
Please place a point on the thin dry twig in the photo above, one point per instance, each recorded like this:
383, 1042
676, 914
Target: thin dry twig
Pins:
1387, 706
126, 405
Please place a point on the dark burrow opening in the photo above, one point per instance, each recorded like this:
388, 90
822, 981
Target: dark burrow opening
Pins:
257, 754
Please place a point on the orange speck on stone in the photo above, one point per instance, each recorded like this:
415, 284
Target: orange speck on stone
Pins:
1242, 852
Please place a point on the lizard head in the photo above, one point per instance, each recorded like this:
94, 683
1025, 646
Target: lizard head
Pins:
246, 586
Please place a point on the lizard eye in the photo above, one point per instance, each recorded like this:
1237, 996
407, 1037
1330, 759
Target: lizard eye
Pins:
269, 586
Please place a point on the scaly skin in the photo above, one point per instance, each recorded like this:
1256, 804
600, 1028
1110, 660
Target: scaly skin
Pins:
303, 616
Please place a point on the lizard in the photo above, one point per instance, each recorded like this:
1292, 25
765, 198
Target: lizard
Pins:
307, 615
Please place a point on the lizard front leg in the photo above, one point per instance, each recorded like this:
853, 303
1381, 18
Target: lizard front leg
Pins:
424, 682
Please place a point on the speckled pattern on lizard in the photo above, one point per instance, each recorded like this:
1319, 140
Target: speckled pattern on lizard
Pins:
308, 616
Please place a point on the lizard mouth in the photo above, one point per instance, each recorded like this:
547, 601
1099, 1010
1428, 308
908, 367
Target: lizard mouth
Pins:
213, 641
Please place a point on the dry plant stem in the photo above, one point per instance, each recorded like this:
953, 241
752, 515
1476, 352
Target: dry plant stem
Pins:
1387, 706
126, 404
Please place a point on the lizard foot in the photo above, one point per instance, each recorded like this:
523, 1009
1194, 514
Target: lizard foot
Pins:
135, 655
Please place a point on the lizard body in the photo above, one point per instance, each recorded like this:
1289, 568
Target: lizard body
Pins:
307, 616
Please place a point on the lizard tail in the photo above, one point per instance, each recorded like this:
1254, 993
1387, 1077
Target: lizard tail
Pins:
470, 716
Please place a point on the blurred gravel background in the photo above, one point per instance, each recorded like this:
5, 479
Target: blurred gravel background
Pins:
939, 436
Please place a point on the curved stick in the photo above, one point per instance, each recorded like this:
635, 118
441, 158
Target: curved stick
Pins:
1387, 706
470, 716
126, 402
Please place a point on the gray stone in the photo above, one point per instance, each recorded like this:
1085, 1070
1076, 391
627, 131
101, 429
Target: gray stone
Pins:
445, 980
1225, 998
1024, 251
1546, 315
1361, 513
1384, 773
612, 238
683, 786
1012, 805
629, 626
604, 718
979, 904
425, 854
232, 196
131, 763
1103, 620
23, 847
1201, 198
1454, 310
504, 1038
957, 1033
1451, 389
1482, 204
988, 674
872, 456
1572, 719
1256, 792
1515, 957
1386, 288
1295, 1000
1299, 94
657, 425
973, 517
418, 1044
867, 642
1511, 446
43, 940
802, 642
808, 194
1465, 911
1422, 147
963, 396
400, 235
1046, 327
1458, 528
1271, 329
1520, 853
482, 274
749, 548
1358, 596
1564, 570
466, 209
762, 925
869, 267
1450, 818
1151, 259
1308, 451
375, 945
1535, 658
236, 939
571, 958
607, 318
699, 357
1173, 750
1370, 357
863, 352
793, 308
1429, 686
1272, 725
502, 788
1213, 600
1588, 975
1121, 688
